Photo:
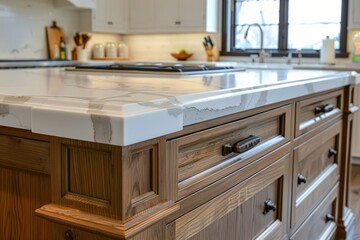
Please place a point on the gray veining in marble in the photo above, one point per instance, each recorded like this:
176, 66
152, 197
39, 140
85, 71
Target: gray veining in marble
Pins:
123, 109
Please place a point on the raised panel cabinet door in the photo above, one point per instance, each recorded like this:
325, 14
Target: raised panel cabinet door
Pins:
166, 14
100, 13
141, 14
117, 10
192, 13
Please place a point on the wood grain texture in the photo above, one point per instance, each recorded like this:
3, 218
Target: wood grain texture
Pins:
21, 192
312, 157
346, 217
24, 153
306, 119
199, 156
316, 226
238, 212
108, 227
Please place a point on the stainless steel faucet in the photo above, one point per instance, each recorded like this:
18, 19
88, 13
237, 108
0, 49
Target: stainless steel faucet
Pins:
261, 52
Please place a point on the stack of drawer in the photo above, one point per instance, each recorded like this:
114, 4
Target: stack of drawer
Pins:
316, 167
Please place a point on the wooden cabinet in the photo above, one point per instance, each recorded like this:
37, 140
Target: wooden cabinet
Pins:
354, 14
322, 222
25, 185
316, 170
255, 208
173, 16
108, 16
207, 156
275, 172
314, 111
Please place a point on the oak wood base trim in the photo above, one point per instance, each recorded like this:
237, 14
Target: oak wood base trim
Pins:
103, 225
345, 224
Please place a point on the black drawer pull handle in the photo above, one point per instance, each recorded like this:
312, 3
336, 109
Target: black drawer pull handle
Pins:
69, 235
329, 217
241, 146
269, 206
301, 179
332, 152
323, 109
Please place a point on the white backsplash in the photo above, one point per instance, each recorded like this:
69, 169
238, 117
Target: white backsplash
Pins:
22, 28
159, 46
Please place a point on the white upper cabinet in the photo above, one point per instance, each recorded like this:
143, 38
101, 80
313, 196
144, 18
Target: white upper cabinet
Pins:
354, 14
76, 4
173, 16
141, 14
109, 16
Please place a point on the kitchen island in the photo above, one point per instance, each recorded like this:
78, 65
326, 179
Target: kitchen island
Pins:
248, 154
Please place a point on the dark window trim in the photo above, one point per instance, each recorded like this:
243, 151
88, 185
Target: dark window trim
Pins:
228, 39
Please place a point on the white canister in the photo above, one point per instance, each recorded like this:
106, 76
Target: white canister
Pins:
98, 50
82, 54
123, 50
111, 50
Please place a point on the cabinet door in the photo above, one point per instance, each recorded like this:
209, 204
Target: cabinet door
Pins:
110, 16
116, 10
166, 13
100, 14
192, 13
142, 14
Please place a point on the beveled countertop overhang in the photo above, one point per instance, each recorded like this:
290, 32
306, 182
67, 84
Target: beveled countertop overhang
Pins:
121, 109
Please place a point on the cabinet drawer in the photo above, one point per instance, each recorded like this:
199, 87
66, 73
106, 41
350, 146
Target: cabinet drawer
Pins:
316, 169
255, 208
207, 156
312, 112
26, 154
321, 224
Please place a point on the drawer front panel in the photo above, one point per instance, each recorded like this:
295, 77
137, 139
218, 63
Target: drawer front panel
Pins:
316, 170
27, 154
245, 211
204, 157
322, 222
312, 112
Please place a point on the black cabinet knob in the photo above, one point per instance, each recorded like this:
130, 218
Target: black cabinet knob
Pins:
332, 152
323, 109
69, 235
301, 179
269, 206
329, 217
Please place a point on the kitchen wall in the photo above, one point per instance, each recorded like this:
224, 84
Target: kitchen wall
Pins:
22, 27
159, 46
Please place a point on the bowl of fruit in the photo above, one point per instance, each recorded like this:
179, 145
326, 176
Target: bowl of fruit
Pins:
181, 55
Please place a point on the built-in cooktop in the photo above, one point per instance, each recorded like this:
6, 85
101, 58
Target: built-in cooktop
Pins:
160, 68
34, 63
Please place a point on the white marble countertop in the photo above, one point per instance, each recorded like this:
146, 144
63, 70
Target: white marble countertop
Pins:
124, 109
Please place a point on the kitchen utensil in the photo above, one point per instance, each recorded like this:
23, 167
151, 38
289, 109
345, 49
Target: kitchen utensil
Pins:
84, 39
54, 34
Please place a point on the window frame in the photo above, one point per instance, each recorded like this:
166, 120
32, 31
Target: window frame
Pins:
228, 23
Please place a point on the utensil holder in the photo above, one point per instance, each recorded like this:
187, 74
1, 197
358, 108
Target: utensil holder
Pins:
212, 54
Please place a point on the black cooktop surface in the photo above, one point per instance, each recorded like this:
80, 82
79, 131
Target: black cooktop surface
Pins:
176, 68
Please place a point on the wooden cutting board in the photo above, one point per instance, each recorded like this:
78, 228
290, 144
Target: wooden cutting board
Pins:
53, 34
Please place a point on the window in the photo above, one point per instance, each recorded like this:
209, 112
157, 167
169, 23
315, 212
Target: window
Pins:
287, 25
